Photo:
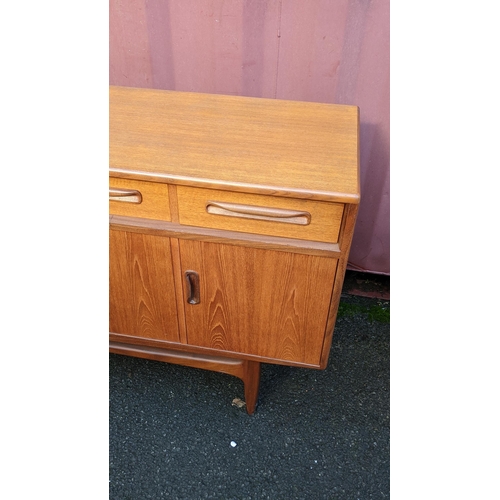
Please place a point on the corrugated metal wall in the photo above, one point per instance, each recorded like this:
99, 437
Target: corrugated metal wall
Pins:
334, 51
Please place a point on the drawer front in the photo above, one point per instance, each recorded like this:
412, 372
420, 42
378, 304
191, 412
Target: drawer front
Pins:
260, 214
139, 199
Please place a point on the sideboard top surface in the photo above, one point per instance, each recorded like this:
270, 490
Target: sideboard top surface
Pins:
283, 148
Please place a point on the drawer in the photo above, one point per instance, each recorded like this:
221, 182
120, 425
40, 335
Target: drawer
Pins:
260, 214
139, 199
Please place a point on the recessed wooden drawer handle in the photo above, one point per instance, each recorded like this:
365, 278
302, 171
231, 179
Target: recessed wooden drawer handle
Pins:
127, 195
193, 287
259, 213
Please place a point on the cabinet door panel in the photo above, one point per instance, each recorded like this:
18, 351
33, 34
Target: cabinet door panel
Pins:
141, 286
259, 302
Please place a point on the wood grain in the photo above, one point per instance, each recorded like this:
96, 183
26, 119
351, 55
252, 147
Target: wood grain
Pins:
155, 200
160, 228
268, 290
186, 348
285, 148
141, 286
348, 223
177, 275
259, 302
324, 225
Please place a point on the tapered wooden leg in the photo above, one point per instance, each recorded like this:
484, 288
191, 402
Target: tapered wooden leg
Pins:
248, 371
251, 380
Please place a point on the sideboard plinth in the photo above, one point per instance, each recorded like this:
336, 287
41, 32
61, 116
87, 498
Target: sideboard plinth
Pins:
246, 370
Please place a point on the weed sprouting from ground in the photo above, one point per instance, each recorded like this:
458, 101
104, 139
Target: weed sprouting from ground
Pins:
376, 312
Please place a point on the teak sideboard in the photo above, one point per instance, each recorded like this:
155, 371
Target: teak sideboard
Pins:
231, 220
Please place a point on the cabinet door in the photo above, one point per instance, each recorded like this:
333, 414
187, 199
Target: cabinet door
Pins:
259, 302
141, 286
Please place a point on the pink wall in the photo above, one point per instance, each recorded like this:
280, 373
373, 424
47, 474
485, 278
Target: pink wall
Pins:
334, 51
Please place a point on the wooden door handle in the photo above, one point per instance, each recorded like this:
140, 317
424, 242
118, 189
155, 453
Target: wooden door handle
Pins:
193, 287
299, 217
127, 195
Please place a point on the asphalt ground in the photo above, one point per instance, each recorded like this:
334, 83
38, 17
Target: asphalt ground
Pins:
175, 433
